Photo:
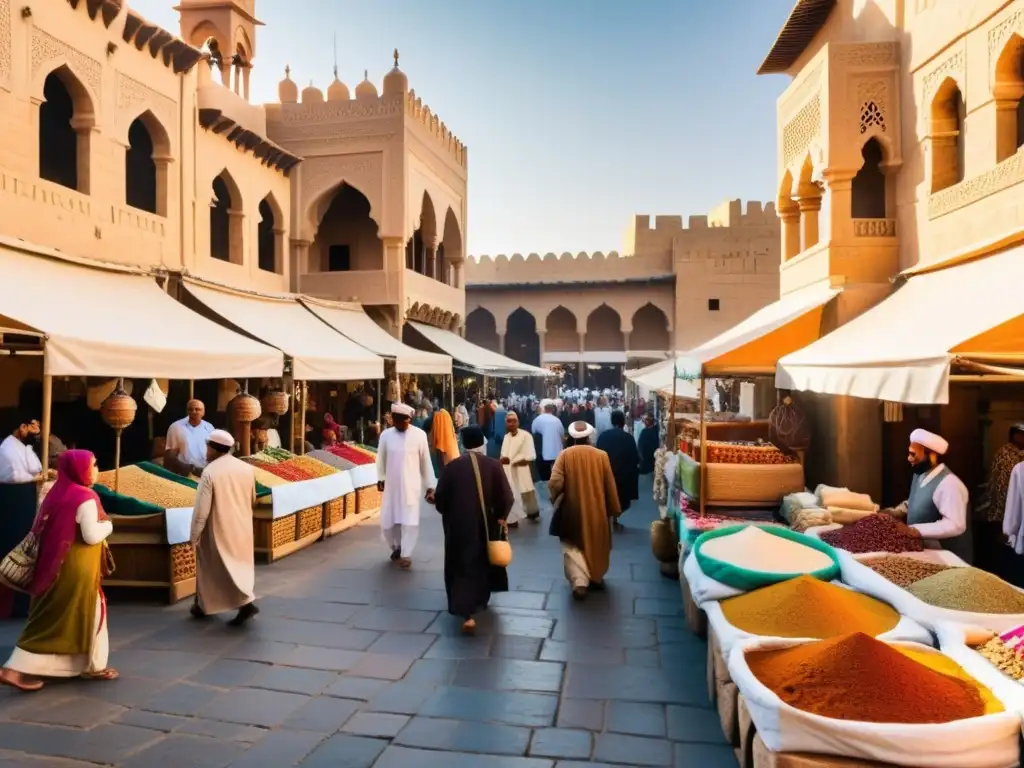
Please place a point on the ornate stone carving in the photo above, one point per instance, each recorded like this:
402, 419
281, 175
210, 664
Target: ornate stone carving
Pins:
339, 110
5, 40
951, 66
873, 101
132, 94
801, 131
1003, 176
363, 171
46, 48
874, 227
868, 54
808, 84
1003, 31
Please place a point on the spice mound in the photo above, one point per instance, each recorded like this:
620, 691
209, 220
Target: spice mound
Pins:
904, 571
807, 607
756, 550
875, 533
968, 589
856, 677
1004, 658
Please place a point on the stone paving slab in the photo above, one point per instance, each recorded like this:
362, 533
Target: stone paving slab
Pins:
353, 663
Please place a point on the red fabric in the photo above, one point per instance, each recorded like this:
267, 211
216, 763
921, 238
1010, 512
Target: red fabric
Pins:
55, 525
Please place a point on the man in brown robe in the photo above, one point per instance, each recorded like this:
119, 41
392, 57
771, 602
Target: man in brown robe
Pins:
469, 576
585, 498
222, 534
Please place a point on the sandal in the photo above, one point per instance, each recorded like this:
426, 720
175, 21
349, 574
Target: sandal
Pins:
104, 674
469, 627
404, 563
19, 681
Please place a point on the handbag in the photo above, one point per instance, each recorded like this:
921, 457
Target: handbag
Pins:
19, 565
499, 552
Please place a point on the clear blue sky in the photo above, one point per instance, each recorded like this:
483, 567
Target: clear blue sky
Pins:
578, 114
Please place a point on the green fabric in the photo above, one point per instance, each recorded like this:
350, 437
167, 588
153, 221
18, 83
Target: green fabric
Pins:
166, 474
746, 579
63, 619
116, 504
278, 453
688, 476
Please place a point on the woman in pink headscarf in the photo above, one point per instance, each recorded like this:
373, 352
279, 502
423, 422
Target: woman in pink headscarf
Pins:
66, 633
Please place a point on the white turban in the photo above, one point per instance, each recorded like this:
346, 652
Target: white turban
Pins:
221, 437
929, 440
580, 429
401, 409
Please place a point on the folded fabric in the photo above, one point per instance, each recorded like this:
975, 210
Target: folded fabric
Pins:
795, 502
809, 518
845, 499
846, 516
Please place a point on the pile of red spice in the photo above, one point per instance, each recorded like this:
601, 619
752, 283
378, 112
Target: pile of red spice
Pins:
874, 533
286, 471
856, 677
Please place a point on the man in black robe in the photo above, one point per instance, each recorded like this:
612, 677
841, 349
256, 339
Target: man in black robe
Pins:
648, 445
624, 458
469, 577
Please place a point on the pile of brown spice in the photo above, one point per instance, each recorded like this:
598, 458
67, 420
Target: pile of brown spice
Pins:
903, 571
969, 589
856, 677
874, 533
1004, 658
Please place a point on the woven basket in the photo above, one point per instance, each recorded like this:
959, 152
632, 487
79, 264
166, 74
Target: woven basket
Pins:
311, 520
336, 509
183, 562
753, 482
368, 499
282, 531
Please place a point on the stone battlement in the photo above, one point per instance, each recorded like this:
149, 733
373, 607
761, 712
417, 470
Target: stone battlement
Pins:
727, 214
417, 110
565, 267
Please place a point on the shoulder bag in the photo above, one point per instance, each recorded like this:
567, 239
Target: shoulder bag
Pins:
499, 552
19, 565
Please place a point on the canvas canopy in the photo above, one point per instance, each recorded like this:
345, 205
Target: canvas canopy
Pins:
902, 349
318, 352
109, 321
351, 321
476, 359
751, 347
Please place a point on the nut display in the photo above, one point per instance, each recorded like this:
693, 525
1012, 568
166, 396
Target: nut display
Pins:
1005, 659
141, 485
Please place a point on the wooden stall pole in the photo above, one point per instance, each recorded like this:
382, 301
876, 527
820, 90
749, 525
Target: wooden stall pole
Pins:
118, 411
703, 445
672, 443
191, 389
45, 426
302, 433
451, 380
380, 396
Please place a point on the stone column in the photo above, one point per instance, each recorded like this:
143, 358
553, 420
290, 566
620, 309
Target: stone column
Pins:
457, 272
246, 70
790, 216
809, 202
430, 258
540, 348
501, 341
395, 252
299, 263
163, 186
84, 127
236, 236
581, 370
279, 263
840, 209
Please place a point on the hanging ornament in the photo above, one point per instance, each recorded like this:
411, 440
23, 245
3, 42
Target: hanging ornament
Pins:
118, 411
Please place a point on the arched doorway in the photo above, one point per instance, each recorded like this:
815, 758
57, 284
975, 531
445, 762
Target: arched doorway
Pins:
1009, 90
604, 331
650, 330
449, 252
270, 236
66, 118
226, 220
482, 330
560, 331
346, 238
420, 251
521, 340
948, 114
868, 191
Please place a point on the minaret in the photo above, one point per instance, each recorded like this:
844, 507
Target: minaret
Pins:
232, 23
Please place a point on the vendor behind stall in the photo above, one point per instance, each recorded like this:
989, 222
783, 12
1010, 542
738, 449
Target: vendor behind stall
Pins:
18, 462
937, 507
185, 449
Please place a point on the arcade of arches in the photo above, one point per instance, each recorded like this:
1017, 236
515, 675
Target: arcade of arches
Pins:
593, 350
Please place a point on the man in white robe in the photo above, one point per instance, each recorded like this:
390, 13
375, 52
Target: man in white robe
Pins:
517, 455
18, 462
404, 470
222, 534
185, 448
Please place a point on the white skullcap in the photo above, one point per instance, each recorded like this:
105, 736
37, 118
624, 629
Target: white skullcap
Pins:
546, 402
221, 437
929, 440
580, 429
401, 409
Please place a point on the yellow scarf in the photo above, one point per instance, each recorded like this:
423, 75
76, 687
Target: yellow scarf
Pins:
443, 436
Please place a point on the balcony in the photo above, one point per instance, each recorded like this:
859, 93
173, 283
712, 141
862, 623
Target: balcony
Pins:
420, 289
369, 286
874, 228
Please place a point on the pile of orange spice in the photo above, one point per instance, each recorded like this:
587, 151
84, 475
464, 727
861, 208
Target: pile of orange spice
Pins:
856, 677
808, 607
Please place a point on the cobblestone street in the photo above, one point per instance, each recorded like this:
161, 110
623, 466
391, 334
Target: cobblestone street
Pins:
353, 663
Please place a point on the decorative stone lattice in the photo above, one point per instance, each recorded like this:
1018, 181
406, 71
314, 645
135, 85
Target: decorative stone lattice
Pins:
46, 48
801, 131
5, 40
870, 116
1006, 174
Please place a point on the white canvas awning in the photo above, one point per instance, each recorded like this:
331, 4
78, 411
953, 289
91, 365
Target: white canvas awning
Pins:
901, 350
594, 358
351, 321
474, 358
318, 352
108, 321
752, 347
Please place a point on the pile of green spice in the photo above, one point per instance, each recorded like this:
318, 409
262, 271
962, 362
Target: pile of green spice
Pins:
968, 589
903, 571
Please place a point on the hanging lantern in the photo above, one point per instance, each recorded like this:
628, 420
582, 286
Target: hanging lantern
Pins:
788, 426
275, 402
244, 409
118, 410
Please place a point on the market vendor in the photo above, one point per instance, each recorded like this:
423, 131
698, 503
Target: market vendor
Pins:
937, 507
185, 449
18, 462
